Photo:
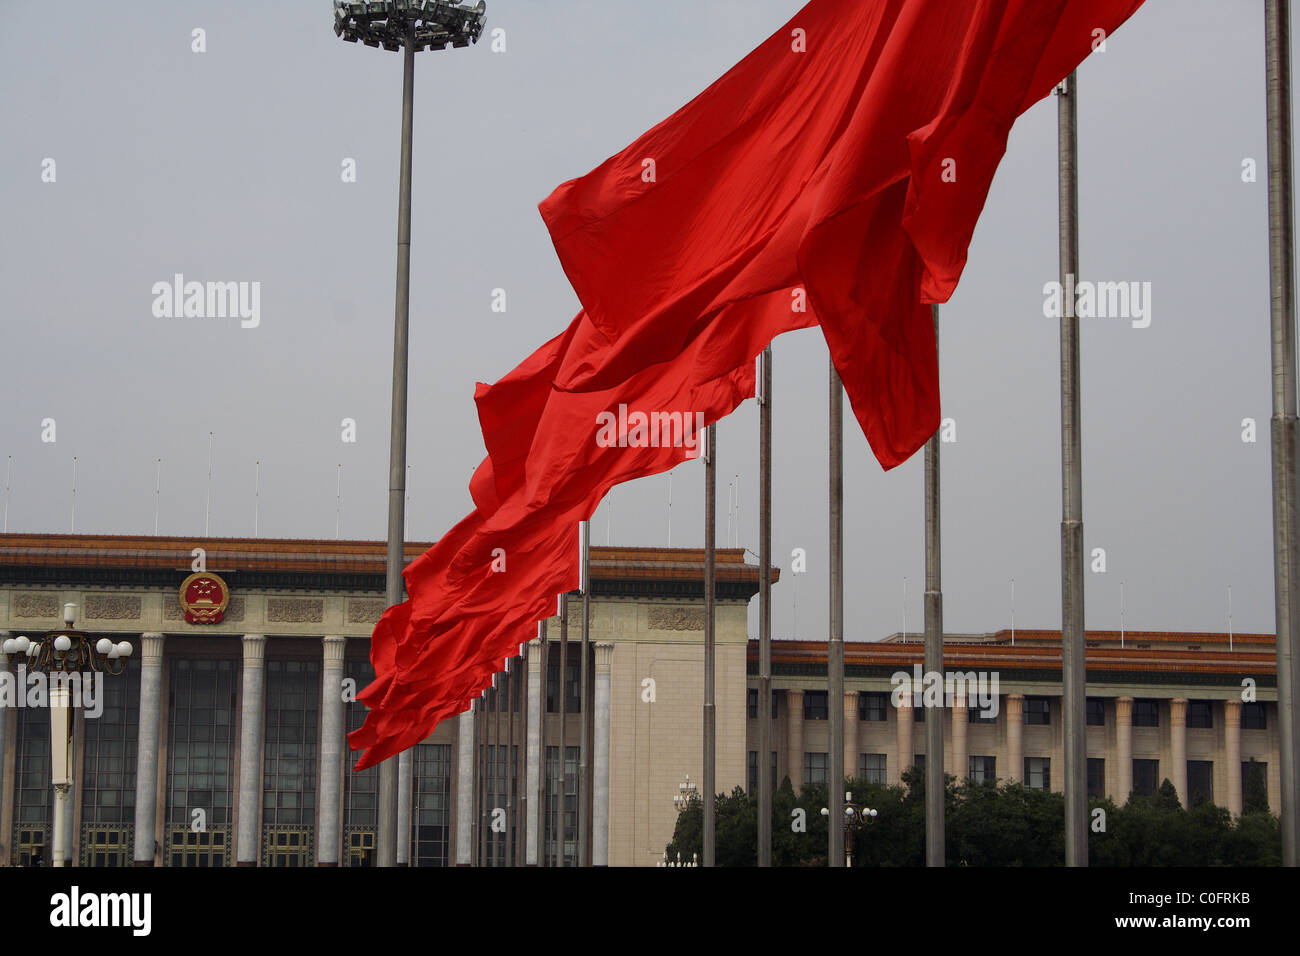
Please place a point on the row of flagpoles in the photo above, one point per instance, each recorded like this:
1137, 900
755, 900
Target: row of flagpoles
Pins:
1287, 557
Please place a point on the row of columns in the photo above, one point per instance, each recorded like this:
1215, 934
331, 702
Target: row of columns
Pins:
1013, 705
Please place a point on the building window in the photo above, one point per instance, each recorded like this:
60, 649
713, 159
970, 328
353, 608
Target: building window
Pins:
1200, 714
871, 767
1096, 710
918, 761
975, 715
360, 789
431, 805
293, 691
1038, 710
1146, 777
1254, 786
814, 768
1200, 782
1146, 713
573, 667
502, 762
32, 806
983, 770
918, 715
1038, 773
753, 704
753, 772
201, 747
1096, 777
815, 705
108, 775
570, 832
872, 704
1252, 717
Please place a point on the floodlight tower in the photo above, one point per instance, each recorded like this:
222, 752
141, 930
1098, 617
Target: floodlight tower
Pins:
410, 26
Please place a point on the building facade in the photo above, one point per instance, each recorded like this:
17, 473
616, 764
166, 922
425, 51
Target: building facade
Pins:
223, 742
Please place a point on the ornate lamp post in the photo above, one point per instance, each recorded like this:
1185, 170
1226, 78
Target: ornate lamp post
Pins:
687, 792
67, 657
408, 25
853, 815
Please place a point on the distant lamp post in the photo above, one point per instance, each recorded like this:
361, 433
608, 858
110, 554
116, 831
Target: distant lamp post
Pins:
695, 860
410, 26
853, 816
60, 655
687, 792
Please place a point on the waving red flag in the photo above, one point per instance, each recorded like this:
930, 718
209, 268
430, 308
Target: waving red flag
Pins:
852, 152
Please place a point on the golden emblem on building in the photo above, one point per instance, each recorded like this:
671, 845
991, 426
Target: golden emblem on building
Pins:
204, 597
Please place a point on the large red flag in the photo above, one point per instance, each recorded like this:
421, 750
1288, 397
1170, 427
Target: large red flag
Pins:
480, 598
852, 152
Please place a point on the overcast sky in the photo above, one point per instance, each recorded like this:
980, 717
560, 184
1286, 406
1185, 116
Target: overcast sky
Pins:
226, 165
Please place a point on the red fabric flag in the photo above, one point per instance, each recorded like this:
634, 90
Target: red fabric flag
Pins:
480, 596
852, 152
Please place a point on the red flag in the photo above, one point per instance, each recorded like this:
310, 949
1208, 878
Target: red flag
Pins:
852, 152
480, 599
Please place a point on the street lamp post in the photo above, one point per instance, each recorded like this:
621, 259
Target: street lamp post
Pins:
854, 814
67, 657
410, 26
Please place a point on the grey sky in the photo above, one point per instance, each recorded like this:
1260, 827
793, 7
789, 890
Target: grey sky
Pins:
226, 165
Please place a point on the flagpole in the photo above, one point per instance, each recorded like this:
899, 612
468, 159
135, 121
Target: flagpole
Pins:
477, 796
765, 609
1286, 556
710, 715
157, 489
499, 766
935, 779
539, 797
564, 713
584, 738
521, 802
1073, 665
835, 646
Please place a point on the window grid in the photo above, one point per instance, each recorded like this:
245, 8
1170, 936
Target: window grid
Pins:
983, 769
1096, 710
430, 806
872, 705
108, 773
1096, 777
1146, 776
1200, 714
814, 767
569, 835
200, 745
360, 788
815, 705
1038, 711
1200, 782
871, 767
1146, 713
1038, 773
33, 799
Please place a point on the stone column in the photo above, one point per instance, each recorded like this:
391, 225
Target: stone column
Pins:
960, 726
1015, 737
250, 750
850, 735
1124, 748
533, 758
600, 769
146, 767
1178, 746
794, 738
906, 756
6, 785
329, 817
465, 788
1232, 744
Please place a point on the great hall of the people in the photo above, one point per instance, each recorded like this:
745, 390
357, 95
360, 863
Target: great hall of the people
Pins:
222, 743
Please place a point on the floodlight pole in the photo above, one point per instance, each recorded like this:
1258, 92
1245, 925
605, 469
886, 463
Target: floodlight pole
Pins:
1073, 658
1281, 274
710, 612
386, 852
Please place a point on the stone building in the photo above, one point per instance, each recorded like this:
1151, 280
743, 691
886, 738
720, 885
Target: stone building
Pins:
223, 742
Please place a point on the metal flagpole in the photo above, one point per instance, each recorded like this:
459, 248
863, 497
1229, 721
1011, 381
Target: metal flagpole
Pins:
1281, 273
584, 737
9, 468
710, 715
563, 694
934, 775
73, 528
765, 609
157, 490
1073, 666
257, 496
498, 766
835, 645
207, 506
394, 590
511, 766
539, 798
521, 801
